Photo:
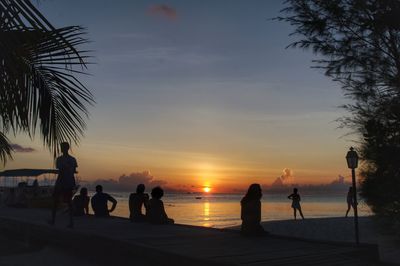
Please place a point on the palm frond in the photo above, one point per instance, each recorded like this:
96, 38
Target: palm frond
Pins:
38, 89
5, 148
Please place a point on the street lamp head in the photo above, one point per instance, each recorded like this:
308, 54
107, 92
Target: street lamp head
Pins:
352, 158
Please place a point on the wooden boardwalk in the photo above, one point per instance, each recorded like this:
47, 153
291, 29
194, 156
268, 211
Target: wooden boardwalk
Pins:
117, 241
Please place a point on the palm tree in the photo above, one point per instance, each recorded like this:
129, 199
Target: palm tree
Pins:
38, 89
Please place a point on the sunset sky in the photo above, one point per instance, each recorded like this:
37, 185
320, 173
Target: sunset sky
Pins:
198, 93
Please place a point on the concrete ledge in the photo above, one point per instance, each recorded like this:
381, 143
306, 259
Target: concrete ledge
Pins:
99, 249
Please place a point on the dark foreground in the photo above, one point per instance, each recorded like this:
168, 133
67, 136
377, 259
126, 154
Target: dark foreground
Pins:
28, 240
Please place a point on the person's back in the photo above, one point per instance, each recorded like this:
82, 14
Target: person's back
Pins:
66, 165
251, 211
136, 202
155, 212
99, 203
295, 199
65, 183
80, 203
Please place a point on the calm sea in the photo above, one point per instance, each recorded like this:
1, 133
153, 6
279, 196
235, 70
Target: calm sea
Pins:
223, 210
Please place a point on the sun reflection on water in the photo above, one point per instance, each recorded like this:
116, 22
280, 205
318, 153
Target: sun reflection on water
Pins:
206, 218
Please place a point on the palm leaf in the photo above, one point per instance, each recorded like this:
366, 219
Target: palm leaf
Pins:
5, 148
38, 89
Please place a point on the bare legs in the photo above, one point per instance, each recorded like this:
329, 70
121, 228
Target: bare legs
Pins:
295, 213
349, 206
54, 211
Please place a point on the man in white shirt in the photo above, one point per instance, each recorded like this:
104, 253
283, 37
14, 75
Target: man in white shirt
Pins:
65, 183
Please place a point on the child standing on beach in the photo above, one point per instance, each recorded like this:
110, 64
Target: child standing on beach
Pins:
295, 197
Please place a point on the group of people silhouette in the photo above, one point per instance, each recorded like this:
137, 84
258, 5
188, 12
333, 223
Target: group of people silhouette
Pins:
155, 211
79, 205
154, 207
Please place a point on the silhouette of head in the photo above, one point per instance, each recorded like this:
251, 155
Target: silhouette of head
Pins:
254, 192
157, 193
83, 191
64, 146
99, 188
295, 190
140, 188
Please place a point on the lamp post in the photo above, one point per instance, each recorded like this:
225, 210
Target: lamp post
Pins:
352, 163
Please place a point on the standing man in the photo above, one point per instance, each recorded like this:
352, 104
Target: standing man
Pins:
65, 183
100, 203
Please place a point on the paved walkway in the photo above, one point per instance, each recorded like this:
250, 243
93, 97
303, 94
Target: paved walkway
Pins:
116, 241
333, 229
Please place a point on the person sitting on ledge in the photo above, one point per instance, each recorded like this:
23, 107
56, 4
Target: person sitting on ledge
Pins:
99, 203
136, 201
155, 212
80, 203
251, 212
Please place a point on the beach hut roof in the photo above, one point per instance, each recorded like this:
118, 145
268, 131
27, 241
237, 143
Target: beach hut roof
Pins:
27, 172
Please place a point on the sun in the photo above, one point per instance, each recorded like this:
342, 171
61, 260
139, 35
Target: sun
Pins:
206, 189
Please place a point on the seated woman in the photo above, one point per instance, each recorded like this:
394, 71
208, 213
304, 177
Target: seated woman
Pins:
251, 212
155, 212
80, 203
136, 202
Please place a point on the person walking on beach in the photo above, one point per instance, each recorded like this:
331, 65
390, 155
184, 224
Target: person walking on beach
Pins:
251, 212
65, 183
155, 212
100, 203
80, 203
136, 202
350, 200
295, 197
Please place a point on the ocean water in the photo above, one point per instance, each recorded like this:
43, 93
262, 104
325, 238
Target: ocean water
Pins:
223, 210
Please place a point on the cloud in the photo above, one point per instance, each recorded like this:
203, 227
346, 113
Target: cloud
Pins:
280, 185
134, 179
19, 148
129, 182
163, 11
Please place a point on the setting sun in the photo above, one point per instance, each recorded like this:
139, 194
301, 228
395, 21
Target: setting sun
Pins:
207, 189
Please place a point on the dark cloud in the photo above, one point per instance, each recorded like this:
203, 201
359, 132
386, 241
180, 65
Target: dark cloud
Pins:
19, 148
164, 11
140, 178
338, 185
129, 182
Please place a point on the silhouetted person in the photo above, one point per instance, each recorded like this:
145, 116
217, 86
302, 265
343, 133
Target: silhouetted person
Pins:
251, 211
350, 200
295, 197
136, 202
80, 203
155, 212
100, 203
65, 183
